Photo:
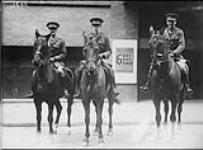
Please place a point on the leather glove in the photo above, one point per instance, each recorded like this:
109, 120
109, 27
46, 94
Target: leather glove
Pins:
172, 54
52, 59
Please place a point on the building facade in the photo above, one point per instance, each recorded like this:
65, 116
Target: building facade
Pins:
123, 21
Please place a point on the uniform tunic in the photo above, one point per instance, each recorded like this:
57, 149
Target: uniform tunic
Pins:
58, 48
175, 40
102, 41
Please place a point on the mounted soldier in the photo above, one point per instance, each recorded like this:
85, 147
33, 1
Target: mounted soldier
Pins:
104, 50
176, 42
58, 52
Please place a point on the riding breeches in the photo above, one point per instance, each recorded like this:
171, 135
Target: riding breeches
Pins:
183, 66
110, 73
184, 69
78, 73
59, 67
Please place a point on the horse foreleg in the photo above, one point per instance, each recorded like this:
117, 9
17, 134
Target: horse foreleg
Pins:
38, 106
157, 107
59, 109
69, 110
173, 110
50, 117
96, 130
179, 111
110, 131
182, 98
166, 108
86, 104
100, 104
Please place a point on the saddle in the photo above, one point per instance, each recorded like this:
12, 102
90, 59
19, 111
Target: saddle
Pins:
182, 64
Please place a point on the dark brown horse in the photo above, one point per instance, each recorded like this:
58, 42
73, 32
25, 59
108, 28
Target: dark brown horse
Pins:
47, 85
95, 87
166, 81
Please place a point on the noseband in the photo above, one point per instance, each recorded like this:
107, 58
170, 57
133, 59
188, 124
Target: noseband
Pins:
39, 56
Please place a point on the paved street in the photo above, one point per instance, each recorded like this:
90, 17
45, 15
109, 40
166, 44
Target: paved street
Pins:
134, 127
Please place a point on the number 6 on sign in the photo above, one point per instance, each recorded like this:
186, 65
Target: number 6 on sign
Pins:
124, 57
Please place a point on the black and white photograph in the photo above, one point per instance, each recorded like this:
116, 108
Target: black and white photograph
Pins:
78, 74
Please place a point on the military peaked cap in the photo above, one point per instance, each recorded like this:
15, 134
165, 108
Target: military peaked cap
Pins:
52, 25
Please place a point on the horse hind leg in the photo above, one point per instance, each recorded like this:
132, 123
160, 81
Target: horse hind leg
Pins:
179, 111
173, 110
100, 104
50, 117
110, 110
96, 130
38, 106
69, 110
166, 109
86, 105
59, 109
158, 114
182, 97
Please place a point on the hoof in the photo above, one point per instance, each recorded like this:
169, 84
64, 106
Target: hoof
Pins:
158, 124
86, 142
165, 123
55, 127
96, 131
69, 130
51, 131
39, 130
101, 144
179, 126
110, 132
101, 141
173, 119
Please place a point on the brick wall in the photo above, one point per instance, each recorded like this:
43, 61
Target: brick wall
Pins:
19, 23
124, 21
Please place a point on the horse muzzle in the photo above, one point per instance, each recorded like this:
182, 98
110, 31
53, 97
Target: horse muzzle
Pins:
37, 63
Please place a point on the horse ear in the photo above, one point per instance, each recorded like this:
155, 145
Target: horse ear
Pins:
37, 33
151, 29
48, 36
84, 36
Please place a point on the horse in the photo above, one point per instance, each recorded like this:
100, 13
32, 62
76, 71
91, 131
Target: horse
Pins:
95, 87
46, 84
166, 80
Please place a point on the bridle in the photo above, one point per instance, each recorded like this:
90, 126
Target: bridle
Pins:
159, 47
91, 63
39, 58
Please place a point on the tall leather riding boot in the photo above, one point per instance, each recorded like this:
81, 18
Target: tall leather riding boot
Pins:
64, 92
145, 87
33, 84
113, 83
78, 77
113, 86
189, 91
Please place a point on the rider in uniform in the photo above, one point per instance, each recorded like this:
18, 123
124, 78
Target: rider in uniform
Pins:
105, 52
58, 52
176, 42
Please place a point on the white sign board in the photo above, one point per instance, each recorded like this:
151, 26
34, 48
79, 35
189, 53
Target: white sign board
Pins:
124, 60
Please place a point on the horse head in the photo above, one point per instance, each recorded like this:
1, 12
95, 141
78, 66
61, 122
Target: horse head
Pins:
41, 50
158, 45
91, 54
